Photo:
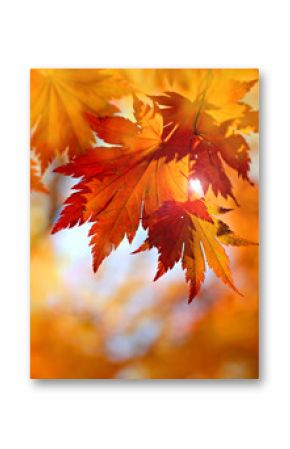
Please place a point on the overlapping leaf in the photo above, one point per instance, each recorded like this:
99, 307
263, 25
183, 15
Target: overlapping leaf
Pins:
190, 130
186, 231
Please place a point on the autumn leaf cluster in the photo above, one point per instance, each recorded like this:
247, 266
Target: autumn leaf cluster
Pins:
185, 125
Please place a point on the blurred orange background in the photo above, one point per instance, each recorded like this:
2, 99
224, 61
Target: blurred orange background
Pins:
118, 323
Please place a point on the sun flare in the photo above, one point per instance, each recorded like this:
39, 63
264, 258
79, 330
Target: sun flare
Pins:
196, 187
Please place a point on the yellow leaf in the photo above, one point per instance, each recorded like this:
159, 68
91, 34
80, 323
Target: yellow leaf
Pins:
59, 99
216, 256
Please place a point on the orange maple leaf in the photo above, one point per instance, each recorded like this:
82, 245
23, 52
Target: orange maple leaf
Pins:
120, 183
59, 98
225, 88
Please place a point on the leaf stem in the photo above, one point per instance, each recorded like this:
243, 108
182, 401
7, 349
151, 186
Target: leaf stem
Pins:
207, 81
199, 111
